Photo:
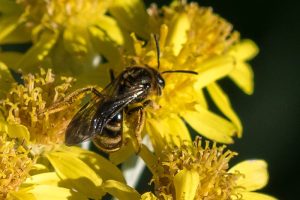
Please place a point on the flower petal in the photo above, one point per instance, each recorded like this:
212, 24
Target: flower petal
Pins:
106, 46
111, 28
213, 70
7, 25
155, 131
49, 178
255, 174
76, 173
75, 40
18, 131
148, 158
186, 184
49, 192
6, 80
256, 196
132, 15
223, 103
243, 75
33, 57
104, 168
177, 36
122, 155
244, 50
210, 125
120, 190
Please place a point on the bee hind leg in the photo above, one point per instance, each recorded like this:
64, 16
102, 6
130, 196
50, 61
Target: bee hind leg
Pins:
137, 116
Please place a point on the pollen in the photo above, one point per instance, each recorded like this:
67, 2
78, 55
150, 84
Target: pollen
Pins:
209, 161
27, 104
15, 163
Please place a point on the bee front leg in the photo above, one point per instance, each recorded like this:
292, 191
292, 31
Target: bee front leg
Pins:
71, 99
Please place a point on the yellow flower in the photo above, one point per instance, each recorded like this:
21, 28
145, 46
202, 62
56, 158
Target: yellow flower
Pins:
15, 160
71, 172
61, 35
190, 38
201, 171
25, 102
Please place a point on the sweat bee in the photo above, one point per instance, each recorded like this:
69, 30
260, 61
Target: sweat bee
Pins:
101, 118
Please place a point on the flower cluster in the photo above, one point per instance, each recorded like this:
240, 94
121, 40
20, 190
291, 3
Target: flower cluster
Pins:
26, 102
73, 46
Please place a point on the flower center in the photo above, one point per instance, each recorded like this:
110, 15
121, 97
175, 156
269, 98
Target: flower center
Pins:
209, 161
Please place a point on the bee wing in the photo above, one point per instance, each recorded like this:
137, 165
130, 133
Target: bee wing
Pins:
94, 115
111, 107
79, 129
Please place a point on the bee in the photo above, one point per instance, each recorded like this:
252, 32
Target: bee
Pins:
101, 118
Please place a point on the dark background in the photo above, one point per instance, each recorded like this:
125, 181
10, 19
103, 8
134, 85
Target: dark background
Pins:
271, 116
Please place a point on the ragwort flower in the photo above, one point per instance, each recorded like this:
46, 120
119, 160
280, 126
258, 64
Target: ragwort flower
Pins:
68, 36
191, 38
201, 171
15, 159
24, 104
34, 162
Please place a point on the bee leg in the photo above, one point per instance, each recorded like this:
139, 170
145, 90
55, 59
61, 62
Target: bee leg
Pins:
139, 122
71, 99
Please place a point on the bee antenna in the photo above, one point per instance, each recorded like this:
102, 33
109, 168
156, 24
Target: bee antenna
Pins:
180, 71
157, 50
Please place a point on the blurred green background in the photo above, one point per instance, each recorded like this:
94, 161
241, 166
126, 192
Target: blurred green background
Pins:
271, 116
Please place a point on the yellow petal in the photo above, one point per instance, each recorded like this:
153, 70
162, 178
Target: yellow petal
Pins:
7, 25
244, 50
49, 178
19, 35
104, 168
20, 195
6, 80
256, 196
178, 28
255, 174
36, 54
132, 15
213, 69
111, 28
106, 46
122, 155
174, 130
76, 173
120, 190
223, 103
243, 75
148, 158
18, 131
155, 131
186, 184
75, 40
49, 192
38, 168
210, 125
